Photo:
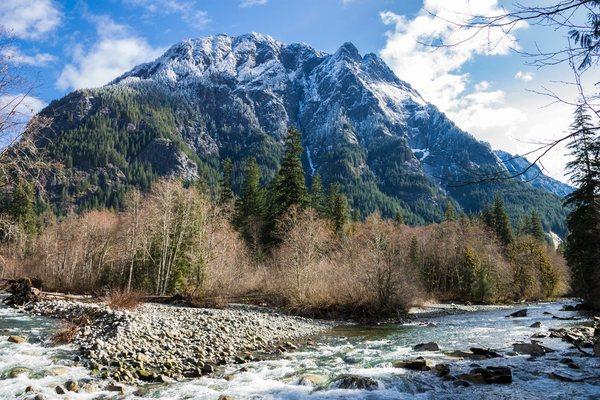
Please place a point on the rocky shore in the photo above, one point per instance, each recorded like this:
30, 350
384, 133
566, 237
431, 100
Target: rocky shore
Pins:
160, 343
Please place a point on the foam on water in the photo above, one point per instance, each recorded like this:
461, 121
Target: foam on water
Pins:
363, 351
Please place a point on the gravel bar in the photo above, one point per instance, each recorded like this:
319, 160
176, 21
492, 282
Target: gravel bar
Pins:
159, 343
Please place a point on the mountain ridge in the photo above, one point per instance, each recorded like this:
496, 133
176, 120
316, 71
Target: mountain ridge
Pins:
223, 96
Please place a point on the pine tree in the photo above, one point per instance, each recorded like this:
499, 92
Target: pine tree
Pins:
338, 208
582, 251
535, 228
317, 195
226, 196
501, 222
398, 218
250, 209
289, 186
19, 205
450, 212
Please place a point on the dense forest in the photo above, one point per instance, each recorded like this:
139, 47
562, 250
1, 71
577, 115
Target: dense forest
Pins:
280, 241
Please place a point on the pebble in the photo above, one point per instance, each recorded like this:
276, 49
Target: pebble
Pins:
160, 343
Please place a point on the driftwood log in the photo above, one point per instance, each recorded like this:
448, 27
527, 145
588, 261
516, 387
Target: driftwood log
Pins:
21, 291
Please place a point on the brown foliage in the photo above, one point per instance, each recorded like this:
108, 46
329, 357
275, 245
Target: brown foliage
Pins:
123, 300
68, 330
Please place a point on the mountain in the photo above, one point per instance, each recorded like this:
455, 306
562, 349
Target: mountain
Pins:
215, 97
531, 173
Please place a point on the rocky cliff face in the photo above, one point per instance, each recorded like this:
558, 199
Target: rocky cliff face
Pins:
223, 96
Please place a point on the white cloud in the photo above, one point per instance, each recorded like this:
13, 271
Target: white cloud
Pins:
186, 9
116, 52
250, 3
15, 56
436, 72
524, 76
22, 107
29, 19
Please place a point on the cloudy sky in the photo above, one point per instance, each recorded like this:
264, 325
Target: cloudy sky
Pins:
70, 44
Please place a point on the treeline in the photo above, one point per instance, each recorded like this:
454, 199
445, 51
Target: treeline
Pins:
280, 242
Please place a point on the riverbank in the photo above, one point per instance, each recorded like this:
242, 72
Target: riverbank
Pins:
161, 343
348, 361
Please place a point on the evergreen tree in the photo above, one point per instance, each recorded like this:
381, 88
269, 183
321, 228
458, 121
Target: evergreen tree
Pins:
289, 186
338, 208
450, 212
225, 183
251, 206
582, 250
317, 195
501, 222
535, 228
398, 218
19, 205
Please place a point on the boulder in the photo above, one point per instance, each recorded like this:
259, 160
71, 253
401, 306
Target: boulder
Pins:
16, 339
417, 364
355, 382
71, 386
430, 346
312, 380
488, 375
115, 388
487, 353
467, 355
535, 325
442, 370
532, 349
518, 314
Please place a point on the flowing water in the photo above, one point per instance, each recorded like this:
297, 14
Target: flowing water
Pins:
362, 351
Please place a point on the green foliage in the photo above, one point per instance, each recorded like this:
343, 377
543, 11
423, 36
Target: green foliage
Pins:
317, 195
226, 196
582, 250
450, 212
18, 203
251, 206
337, 208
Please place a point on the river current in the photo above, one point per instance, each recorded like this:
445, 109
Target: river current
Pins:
310, 371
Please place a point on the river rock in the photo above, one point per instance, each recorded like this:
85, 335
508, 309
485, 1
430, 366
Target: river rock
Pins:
312, 380
16, 339
430, 346
115, 388
536, 325
488, 375
487, 353
417, 364
467, 355
355, 382
16, 371
60, 390
226, 397
71, 386
532, 349
442, 370
518, 314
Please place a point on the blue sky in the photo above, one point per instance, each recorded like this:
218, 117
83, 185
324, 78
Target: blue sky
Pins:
70, 44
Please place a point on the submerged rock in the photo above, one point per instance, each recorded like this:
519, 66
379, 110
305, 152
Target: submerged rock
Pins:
355, 382
312, 380
535, 325
417, 364
532, 349
488, 375
518, 314
16, 339
430, 346
487, 353
442, 370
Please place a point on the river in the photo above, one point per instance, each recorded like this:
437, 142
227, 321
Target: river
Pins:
363, 351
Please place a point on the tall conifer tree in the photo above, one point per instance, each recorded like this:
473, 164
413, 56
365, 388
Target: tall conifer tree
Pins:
582, 250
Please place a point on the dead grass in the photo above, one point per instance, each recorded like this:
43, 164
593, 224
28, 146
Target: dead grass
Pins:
123, 300
68, 330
